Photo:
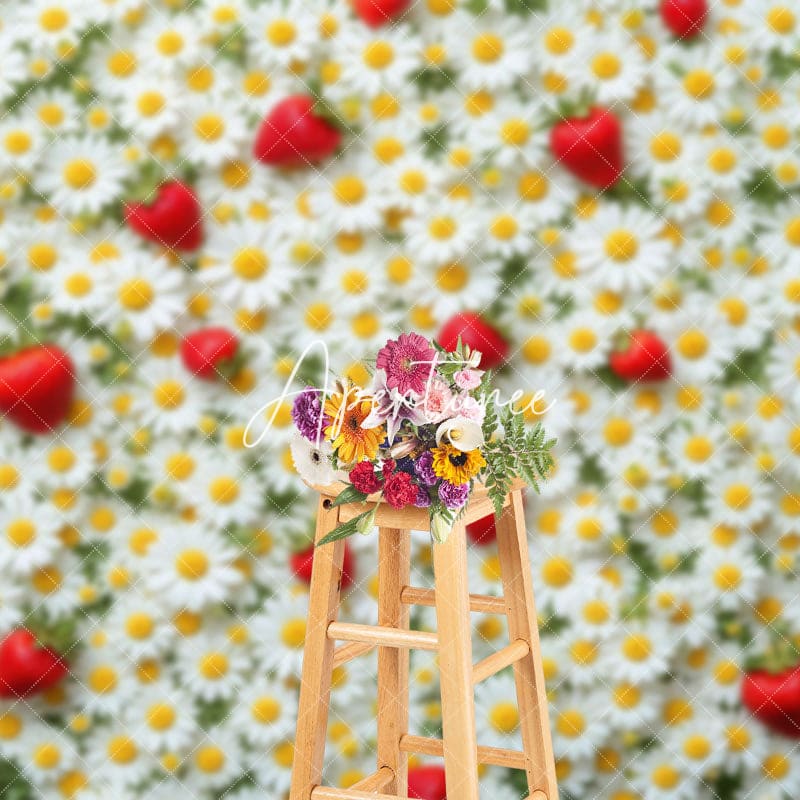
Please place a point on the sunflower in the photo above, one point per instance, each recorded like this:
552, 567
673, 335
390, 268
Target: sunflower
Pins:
457, 466
349, 439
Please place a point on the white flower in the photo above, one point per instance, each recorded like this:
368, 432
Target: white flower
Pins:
461, 432
191, 568
313, 463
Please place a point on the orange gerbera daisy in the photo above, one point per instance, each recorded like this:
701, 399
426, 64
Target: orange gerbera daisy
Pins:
346, 412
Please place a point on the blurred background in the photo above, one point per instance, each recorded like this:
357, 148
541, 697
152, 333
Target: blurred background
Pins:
599, 194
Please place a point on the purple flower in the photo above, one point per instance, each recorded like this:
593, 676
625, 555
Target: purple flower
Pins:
407, 361
307, 414
423, 466
453, 495
423, 498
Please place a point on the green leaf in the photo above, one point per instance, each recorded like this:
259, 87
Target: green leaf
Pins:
345, 529
348, 495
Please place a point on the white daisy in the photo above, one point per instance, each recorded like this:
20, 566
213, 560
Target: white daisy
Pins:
81, 174
621, 249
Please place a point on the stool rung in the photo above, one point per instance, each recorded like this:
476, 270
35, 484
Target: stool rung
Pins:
483, 603
492, 664
495, 756
376, 782
348, 652
327, 793
380, 636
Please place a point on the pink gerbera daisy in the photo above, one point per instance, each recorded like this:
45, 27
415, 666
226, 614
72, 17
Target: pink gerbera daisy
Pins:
407, 362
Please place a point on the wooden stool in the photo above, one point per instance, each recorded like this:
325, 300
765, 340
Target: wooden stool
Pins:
393, 639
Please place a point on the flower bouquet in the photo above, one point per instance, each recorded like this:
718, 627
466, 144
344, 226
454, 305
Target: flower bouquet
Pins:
427, 430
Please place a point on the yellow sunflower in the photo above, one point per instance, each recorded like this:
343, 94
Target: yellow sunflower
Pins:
349, 439
457, 466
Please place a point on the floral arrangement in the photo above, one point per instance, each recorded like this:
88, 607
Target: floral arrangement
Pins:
546, 177
427, 429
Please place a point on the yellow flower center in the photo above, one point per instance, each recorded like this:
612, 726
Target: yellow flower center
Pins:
665, 776
606, 66
169, 43
192, 564
627, 695
18, 142
722, 160
80, 173
139, 625
136, 294
699, 84
209, 127
47, 756
692, 344
583, 340
349, 190
728, 577
637, 647
487, 47
559, 41
452, 277
209, 758
169, 395
21, 532
776, 766
557, 571
738, 496
121, 64
250, 263
223, 490
293, 633
214, 666
281, 32
571, 723
378, 54
442, 227
621, 245
122, 750
504, 718
515, 132
160, 716
150, 103
265, 710
781, 19
53, 19
103, 679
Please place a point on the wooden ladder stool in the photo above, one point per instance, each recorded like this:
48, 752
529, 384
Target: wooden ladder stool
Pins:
392, 637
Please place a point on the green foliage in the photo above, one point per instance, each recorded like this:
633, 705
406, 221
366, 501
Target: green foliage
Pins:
518, 451
348, 495
13, 785
356, 525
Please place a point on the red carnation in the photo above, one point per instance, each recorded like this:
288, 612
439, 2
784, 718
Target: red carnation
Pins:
388, 467
400, 490
363, 477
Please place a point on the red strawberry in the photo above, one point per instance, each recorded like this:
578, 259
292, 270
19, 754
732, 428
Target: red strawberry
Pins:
37, 385
590, 147
476, 332
774, 699
646, 358
302, 562
685, 18
27, 668
173, 219
292, 135
427, 783
378, 12
204, 351
482, 531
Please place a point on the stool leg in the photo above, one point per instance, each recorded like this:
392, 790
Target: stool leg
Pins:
394, 567
455, 665
315, 688
512, 542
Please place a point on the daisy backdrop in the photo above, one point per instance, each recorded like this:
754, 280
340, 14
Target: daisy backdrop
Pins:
159, 550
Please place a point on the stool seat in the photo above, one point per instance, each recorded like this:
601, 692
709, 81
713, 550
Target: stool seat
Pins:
393, 638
